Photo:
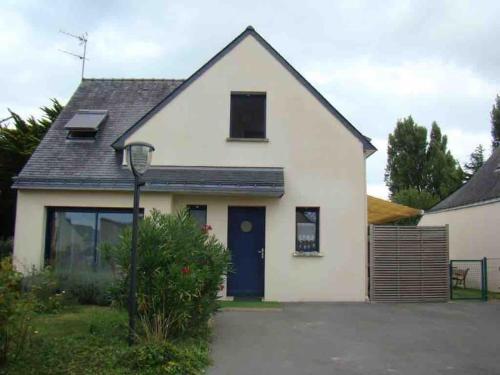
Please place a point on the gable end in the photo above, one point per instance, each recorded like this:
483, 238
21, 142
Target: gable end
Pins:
368, 147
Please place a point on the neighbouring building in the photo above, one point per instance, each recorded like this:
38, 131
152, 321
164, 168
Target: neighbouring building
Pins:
473, 216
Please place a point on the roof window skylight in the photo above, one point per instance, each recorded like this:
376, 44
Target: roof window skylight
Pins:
86, 120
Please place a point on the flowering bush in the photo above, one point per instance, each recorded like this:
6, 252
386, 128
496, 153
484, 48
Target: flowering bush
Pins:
179, 272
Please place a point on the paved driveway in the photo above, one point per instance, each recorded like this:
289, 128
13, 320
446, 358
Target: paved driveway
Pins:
345, 338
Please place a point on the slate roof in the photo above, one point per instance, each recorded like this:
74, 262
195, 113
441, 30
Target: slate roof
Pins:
214, 180
483, 186
59, 163
125, 100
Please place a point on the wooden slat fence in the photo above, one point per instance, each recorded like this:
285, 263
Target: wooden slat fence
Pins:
409, 264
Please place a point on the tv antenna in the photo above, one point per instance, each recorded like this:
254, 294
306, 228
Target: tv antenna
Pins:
83, 38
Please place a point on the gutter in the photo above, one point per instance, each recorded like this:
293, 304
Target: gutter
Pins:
470, 205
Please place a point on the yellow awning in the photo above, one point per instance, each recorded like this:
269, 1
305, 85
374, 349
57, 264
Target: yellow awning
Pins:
381, 211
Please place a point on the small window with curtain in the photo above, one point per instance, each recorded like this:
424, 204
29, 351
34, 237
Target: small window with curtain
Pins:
248, 116
198, 213
307, 229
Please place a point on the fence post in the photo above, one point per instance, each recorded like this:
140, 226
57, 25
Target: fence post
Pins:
451, 278
485, 278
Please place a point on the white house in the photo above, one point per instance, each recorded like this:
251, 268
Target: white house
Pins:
245, 142
473, 216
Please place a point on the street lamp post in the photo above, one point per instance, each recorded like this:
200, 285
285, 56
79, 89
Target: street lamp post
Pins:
139, 159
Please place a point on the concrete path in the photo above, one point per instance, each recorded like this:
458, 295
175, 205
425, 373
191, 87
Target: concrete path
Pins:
345, 338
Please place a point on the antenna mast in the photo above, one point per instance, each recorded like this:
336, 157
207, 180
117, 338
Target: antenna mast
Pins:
83, 38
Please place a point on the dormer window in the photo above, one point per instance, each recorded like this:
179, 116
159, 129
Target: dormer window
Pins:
248, 116
85, 124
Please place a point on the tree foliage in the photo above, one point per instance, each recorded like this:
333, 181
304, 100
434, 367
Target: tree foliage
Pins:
417, 199
406, 156
419, 171
443, 174
495, 122
413, 198
18, 140
475, 162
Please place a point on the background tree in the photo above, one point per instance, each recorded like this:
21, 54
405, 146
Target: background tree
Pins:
18, 140
417, 199
419, 173
406, 156
443, 173
495, 122
475, 162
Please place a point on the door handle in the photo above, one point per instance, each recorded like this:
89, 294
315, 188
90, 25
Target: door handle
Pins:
261, 252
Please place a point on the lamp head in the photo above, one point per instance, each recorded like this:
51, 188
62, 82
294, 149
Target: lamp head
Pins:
139, 155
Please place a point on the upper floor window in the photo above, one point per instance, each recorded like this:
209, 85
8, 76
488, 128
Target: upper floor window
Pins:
248, 115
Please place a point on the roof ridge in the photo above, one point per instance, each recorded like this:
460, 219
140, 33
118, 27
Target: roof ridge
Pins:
473, 190
367, 145
133, 79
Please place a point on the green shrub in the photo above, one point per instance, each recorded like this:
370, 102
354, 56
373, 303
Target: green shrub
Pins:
87, 287
52, 288
179, 273
169, 358
6, 247
15, 313
44, 288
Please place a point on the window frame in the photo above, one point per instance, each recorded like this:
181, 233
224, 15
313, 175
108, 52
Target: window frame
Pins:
79, 135
198, 207
51, 210
317, 210
231, 115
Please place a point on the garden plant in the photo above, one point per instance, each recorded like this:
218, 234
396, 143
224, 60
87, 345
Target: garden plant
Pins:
45, 329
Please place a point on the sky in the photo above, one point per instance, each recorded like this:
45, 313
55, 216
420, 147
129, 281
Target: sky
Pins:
376, 62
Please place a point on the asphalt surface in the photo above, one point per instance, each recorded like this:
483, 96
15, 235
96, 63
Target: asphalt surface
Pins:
348, 338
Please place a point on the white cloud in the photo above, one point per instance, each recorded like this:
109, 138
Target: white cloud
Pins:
12, 32
462, 143
109, 43
378, 190
426, 77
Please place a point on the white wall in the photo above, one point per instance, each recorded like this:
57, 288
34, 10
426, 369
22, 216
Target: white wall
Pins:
31, 216
337, 276
474, 233
323, 162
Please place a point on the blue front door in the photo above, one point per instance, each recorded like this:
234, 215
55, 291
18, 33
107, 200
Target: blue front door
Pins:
246, 241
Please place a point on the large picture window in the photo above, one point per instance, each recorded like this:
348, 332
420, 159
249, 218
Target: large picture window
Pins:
307, 229
248, 115
75, 236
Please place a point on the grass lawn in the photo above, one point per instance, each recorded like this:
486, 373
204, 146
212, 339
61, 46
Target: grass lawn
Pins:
250, 304
473, 294
93, 340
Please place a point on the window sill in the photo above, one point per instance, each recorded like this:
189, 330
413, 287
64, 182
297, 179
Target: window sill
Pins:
307, 254
258, 140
